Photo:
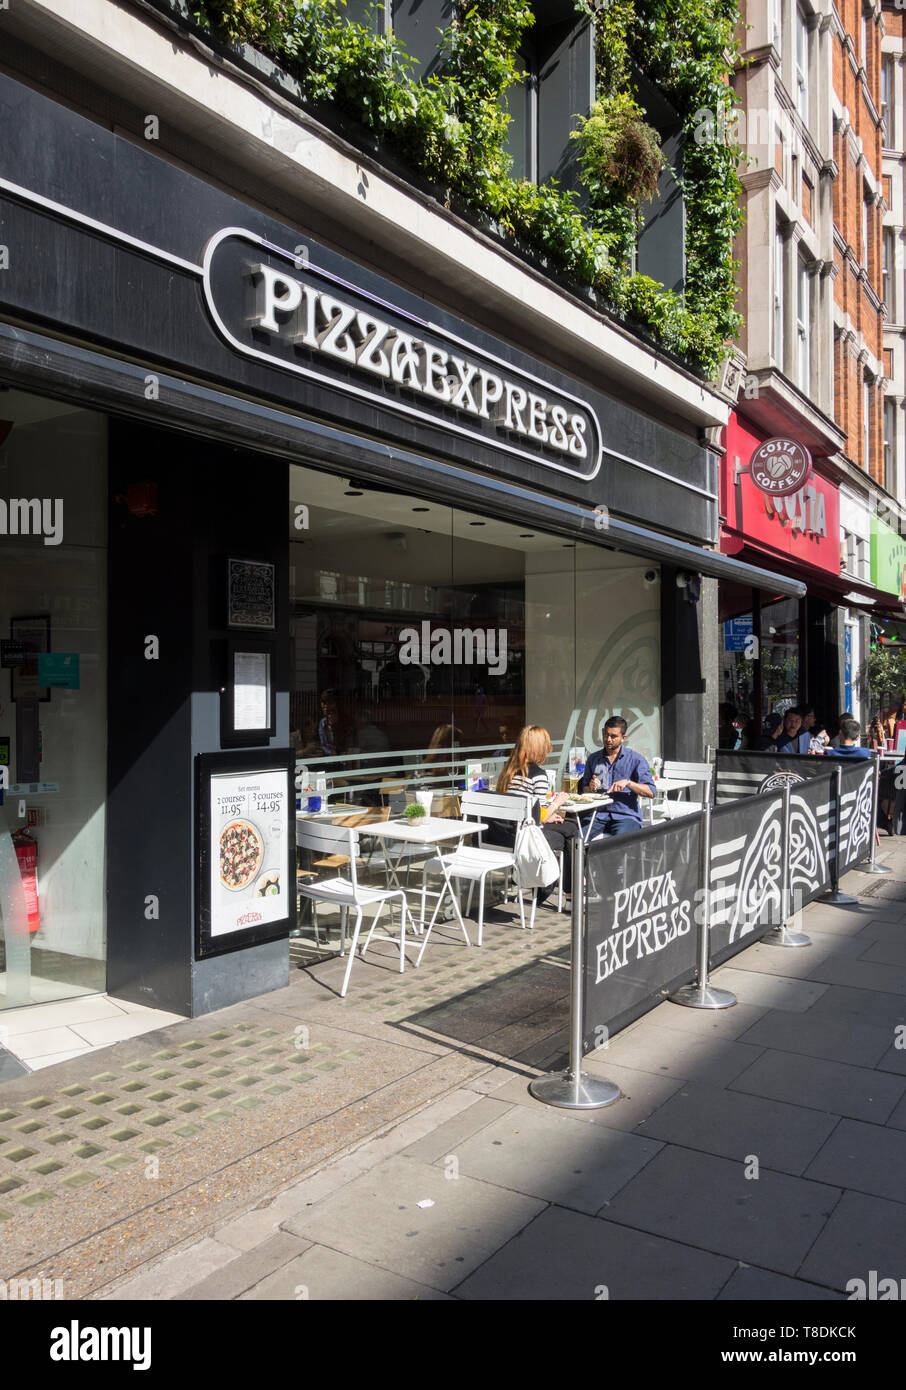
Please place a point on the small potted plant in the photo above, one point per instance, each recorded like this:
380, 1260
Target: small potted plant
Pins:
414, 811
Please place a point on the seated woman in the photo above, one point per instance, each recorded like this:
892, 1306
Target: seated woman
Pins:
524, 773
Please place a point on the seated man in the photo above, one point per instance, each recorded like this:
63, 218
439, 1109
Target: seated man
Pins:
793, 738
623, 775
850, 733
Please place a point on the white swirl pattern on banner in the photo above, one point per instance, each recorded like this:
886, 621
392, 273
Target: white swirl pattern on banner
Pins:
808, 846
857, 817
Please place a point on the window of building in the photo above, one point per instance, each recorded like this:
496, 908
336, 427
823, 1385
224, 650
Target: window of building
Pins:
887, 76
803, 321
800, 76
865, 205
866, 421
779, 256
559, 62
887, 260
890, 453
863, 40
776, 35
416, 23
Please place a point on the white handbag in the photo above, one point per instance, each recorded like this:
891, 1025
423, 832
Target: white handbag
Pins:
535, 860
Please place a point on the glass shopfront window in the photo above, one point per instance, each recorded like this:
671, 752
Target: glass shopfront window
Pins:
423, 638
780, 655
53, 699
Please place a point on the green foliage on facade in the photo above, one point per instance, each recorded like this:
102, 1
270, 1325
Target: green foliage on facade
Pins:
451, 127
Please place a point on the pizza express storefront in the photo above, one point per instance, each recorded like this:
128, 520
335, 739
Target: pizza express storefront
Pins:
281, 511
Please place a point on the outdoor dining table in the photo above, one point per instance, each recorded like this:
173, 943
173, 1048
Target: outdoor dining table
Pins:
427, 831
579, 808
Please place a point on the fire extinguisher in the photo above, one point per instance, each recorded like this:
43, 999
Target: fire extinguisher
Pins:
26, 848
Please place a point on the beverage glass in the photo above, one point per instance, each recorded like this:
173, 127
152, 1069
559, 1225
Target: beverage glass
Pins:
314, 803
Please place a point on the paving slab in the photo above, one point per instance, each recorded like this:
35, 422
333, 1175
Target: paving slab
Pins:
894, 1059
701, 1200
864, 1158
861, 974
864, 1233
767, 991
447, 1138
670, 1052
642, 1093
734, 1126
323, 1275
890, 952
882, 1009
821, 1035
835, 1087
171, 1276
565, 1255
715, 1024
233, 1279
763, 1286
551, 1154
377, 1219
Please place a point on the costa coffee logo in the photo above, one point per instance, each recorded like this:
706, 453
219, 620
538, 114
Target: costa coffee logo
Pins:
779, 467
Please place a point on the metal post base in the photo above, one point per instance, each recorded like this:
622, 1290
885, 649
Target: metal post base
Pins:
839, 899
703, 997
781, 937
873, 869
574, 1092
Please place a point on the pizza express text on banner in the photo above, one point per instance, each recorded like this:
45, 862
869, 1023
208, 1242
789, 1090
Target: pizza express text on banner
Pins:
270, 305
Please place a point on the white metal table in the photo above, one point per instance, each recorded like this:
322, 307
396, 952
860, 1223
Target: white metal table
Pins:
428, 831
580, 808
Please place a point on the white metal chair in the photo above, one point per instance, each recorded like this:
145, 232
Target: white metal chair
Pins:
473, 863
700, 774
345, 893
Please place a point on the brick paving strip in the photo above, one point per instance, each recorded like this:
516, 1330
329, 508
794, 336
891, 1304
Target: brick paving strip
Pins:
108, 1160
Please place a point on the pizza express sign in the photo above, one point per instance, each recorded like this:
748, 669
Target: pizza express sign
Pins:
269, 305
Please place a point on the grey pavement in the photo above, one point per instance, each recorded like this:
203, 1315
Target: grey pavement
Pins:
386, 1146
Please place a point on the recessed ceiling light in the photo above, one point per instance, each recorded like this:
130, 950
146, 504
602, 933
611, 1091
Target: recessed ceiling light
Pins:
421, 509
477, 523
526, 535
351, 492
569, 545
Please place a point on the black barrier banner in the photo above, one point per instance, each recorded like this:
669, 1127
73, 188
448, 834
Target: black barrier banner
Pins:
856, 821
746, 872
642, 894
748, 773
813, 823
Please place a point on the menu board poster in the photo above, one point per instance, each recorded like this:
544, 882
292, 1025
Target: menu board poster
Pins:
246, 884
251, 594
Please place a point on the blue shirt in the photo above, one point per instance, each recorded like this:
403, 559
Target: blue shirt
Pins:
854, 752
625, 805
798, 743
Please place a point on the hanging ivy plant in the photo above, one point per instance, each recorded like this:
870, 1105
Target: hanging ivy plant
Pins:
452, 127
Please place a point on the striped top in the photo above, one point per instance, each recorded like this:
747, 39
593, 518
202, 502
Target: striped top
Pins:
536, 783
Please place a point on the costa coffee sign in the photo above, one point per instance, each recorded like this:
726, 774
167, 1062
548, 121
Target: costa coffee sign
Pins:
780, 467
773, 499
270, 304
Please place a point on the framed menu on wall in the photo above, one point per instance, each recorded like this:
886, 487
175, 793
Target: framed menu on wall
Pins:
251, 595
245, 849
248, 707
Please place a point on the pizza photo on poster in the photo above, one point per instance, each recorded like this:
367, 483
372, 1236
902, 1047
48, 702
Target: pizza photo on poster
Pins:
249, 815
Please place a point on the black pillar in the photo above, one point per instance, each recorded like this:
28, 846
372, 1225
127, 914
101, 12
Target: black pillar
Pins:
178, 508
683, 725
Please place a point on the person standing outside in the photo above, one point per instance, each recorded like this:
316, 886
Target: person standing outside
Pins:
623, 774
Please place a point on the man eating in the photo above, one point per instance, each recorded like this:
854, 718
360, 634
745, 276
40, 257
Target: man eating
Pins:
623, 775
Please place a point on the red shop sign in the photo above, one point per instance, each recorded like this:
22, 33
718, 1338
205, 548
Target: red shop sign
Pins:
803, 525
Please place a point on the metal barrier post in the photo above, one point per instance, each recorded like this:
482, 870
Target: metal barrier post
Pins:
833, 894
872, 867
574, 1089
703, 995
782, 936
